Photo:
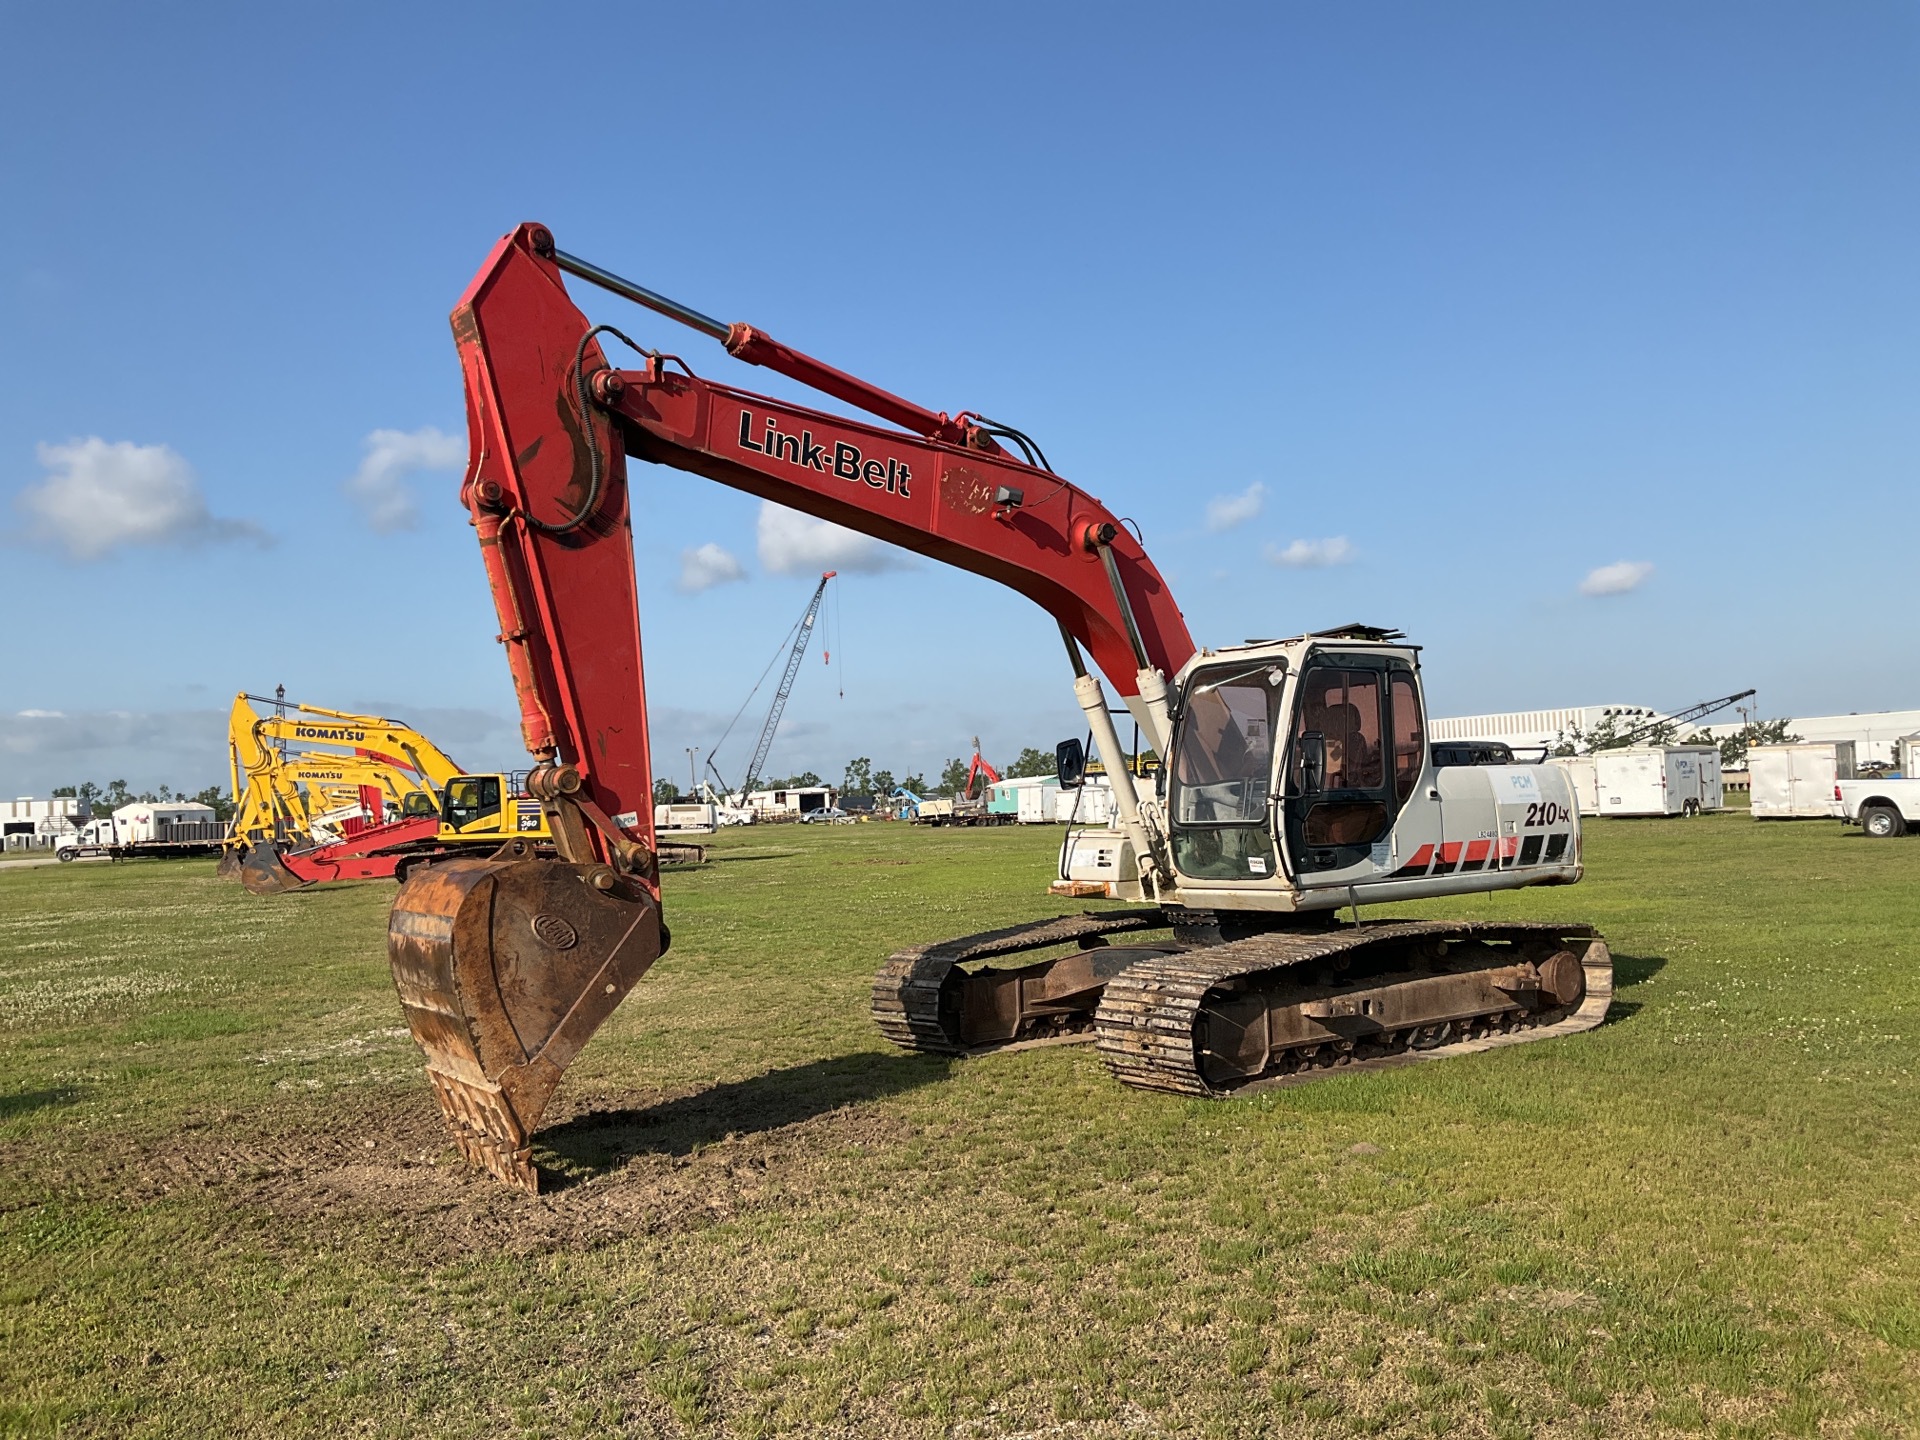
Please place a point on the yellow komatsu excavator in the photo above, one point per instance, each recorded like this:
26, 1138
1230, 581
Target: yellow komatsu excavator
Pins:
305, 778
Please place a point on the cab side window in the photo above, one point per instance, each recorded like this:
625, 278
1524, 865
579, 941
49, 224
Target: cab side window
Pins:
1409, 739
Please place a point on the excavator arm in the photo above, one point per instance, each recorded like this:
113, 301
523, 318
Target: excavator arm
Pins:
505, 966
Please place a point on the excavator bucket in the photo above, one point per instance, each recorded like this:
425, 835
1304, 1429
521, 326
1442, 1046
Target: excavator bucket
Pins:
505, 968
229, 866
264, 873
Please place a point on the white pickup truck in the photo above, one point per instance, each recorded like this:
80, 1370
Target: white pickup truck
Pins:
1883, 807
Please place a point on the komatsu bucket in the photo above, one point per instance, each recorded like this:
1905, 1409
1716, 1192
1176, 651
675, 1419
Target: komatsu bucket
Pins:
264, 873
505, 968
229, 866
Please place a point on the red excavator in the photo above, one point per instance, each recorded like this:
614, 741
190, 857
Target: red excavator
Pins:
1298, 781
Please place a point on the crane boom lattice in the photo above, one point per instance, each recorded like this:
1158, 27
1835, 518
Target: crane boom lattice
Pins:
774, 711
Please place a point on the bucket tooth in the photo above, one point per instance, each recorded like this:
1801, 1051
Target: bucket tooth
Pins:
505, 968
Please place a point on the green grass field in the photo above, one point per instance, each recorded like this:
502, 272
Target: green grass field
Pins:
227, 1205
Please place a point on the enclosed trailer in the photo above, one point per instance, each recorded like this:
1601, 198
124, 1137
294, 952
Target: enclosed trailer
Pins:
1796, 782
1035, 800
1659, 780
1584, 776
1088, 804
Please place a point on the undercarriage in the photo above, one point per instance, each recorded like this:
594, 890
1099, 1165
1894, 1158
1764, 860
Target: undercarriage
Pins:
1213, 1019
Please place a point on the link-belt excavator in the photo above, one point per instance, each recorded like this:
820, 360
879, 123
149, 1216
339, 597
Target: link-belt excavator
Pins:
1297, 781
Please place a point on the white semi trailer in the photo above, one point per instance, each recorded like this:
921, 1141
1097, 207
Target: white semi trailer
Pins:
148, 830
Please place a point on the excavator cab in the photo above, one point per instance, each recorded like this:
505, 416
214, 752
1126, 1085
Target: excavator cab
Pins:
471, 805
417, 804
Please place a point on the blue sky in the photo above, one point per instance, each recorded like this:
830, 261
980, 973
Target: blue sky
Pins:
1484, 299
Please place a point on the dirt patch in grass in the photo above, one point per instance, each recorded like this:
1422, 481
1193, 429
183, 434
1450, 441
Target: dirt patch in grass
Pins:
382, 1169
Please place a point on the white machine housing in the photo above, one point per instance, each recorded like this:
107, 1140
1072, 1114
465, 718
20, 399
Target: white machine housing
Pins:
1230, 821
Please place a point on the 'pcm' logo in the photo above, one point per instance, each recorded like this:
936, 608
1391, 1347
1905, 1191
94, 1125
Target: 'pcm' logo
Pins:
841, 459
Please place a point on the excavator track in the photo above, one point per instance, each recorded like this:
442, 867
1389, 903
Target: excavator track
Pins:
919, 999
1282, 1009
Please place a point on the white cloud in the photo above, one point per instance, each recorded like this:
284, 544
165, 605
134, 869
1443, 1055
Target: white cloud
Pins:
379, 487
185, 749
1226, 512
1617, 578
706, 566
103, 494
1313, 554
796, 544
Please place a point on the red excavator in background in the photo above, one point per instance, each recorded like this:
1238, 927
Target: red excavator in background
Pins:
963, 807
1297, 779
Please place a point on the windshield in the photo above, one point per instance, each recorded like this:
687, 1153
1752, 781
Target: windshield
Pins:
1226, 754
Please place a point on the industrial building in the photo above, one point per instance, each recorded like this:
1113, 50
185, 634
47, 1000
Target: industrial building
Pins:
27, 823
1525, 729
792, 802
1874, 734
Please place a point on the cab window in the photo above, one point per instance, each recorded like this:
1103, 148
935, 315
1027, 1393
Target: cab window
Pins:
1222, 773
471, 798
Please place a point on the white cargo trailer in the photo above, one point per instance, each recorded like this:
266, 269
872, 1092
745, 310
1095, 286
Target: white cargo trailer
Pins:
688, 818
1659, 780
1584, 776
1033, 798
1089, 804
1796, 782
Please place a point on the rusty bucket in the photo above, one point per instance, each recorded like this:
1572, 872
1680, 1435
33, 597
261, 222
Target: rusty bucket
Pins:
505, 969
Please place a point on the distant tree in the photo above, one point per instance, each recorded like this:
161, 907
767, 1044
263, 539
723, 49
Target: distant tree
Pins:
218, 800
859, 780
953, 779
916, 783
883, 782
66, 792
801, 781
116, 794
665, 792
1032, 762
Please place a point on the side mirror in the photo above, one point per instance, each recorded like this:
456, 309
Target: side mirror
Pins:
1313, 762
1070, 763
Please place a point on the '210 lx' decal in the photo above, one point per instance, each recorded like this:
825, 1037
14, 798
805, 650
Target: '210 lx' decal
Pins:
839, 458
1545, 812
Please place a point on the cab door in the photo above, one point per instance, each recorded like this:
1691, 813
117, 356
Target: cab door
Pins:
1368, 812
471, 805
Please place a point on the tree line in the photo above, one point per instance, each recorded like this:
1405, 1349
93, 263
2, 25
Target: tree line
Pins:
1733, 746
861, 778
116, 793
